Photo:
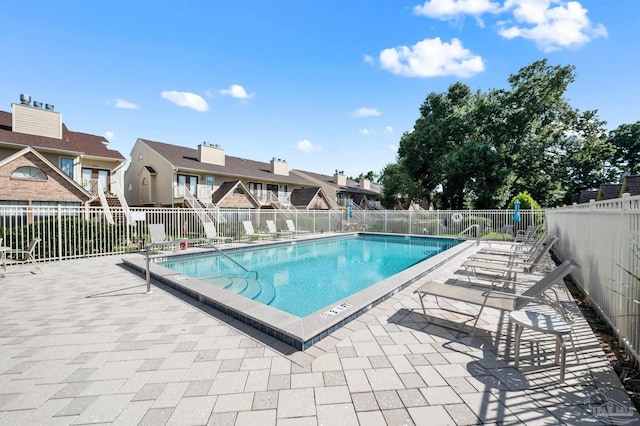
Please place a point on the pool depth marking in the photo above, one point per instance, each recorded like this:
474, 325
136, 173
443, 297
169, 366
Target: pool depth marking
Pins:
335, 310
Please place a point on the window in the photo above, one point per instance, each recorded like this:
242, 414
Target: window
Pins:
209, 183
28, 172
272, 188
191, 182
91, 175
144, 181
66, 165
140, 157
256, 189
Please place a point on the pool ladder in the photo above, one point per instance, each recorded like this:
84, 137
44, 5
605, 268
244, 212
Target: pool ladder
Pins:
467, 229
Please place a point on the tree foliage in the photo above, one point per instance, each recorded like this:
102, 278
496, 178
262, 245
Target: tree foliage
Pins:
526, 201
626, 140
479, 149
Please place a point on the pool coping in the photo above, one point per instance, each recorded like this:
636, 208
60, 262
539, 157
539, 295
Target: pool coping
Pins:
301, 333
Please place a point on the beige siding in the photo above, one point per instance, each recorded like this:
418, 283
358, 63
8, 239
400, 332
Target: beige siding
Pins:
162, 189
36, 121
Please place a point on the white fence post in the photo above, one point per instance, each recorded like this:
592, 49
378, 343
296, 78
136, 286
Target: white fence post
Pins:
59, 216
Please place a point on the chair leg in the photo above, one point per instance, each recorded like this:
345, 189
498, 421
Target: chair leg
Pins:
519, 329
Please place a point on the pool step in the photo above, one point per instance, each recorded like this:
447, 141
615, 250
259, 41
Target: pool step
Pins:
221, 282
238, 285
267, 294
248, 287
253, 288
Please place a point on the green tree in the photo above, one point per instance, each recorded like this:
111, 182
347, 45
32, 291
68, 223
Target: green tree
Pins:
398, 186
526, 202
626, 139
481, 148
586, 156
536, 116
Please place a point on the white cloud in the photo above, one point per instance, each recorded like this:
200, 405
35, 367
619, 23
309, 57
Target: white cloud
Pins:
431, 58
368, 59
306, 146
109, 134
448, 9
388, 130
365, 132
564, 26
236, 91
186, 99
365, 112
393, 148
121, 103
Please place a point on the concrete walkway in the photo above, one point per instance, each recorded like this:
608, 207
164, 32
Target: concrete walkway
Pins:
83, 343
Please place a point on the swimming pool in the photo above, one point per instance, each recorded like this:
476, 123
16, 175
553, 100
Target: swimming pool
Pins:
303, 277
299, 332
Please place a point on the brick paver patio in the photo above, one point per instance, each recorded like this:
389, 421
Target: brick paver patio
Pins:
83, 343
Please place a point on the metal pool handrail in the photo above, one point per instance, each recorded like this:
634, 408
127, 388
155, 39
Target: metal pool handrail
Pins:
475, 225
232, 260
192, 240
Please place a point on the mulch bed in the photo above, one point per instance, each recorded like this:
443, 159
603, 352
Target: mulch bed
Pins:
624, 364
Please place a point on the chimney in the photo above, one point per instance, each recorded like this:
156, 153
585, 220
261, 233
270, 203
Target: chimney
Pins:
35, 120
364, 182
339, 178
279, 167
211, 154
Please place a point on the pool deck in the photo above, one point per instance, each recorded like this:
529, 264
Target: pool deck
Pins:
83, 343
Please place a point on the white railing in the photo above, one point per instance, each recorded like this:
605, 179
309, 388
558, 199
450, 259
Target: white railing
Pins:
105, 205
201, 213
123, 203
73, 232
602, 236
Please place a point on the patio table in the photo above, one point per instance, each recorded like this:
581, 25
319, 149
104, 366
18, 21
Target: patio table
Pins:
544, 323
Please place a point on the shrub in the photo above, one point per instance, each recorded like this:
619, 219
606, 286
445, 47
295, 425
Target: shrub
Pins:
79, 237
526, 201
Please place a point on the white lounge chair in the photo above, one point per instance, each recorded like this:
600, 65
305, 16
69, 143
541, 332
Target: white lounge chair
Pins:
156, 232
212, 235
250, 233
273, 230
292, 228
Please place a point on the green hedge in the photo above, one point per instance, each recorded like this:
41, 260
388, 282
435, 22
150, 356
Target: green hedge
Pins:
79, 237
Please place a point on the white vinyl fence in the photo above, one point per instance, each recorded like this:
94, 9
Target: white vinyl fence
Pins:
74, 232
602, 236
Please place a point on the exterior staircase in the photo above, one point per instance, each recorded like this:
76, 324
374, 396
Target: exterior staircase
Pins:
116, 209
200, 211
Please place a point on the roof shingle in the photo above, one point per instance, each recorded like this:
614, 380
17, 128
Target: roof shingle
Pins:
71, 141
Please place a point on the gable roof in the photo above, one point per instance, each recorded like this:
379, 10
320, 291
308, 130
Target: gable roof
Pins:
304, 196
187, 158
631, 184
29, 150
608, 191
352, 186
228, 187
81, 143
587, 195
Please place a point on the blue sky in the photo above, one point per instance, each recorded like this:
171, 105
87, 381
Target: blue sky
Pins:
325, 84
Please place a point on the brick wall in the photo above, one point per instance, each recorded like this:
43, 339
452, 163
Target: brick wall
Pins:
54, 189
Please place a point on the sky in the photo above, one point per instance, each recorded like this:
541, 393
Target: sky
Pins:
325, 85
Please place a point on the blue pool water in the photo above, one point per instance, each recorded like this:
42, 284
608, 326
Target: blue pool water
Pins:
303, 277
